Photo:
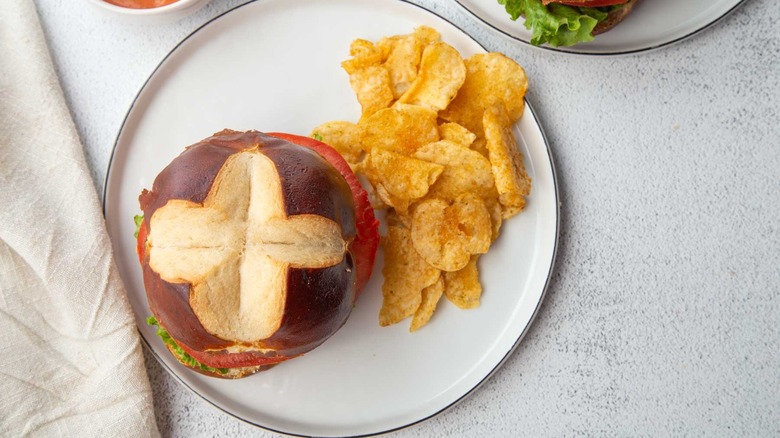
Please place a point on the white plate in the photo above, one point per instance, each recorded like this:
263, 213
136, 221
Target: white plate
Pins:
274, 65
651, 25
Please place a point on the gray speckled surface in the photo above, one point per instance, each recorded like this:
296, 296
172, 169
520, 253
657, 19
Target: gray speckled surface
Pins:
663, 316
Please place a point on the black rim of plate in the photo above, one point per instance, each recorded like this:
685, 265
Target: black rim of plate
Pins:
467, 393
569, 51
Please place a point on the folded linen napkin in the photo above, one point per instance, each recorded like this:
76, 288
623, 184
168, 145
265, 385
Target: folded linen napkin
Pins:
70, 358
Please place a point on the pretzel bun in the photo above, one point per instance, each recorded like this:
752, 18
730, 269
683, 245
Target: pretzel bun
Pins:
253, 250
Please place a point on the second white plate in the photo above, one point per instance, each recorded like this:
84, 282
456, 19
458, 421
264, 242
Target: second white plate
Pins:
274, 65
651, 25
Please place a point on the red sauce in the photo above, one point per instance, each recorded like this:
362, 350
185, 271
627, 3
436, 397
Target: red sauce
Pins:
140, 4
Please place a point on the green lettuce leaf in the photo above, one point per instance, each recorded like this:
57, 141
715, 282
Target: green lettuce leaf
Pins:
138, 219
556, 24
182, 355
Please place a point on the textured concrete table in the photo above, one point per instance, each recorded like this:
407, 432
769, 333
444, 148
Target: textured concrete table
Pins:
663, 316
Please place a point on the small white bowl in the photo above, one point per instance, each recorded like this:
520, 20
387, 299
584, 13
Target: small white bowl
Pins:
173, 11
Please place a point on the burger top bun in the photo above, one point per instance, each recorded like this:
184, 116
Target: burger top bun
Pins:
246, 258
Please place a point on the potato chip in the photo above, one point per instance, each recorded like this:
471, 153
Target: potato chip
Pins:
465, 170
439, 78
342, 136
372, 88
364, 54
384, 196
423, 35
403, 61
496, 216
427, 35
512, 182
401, 175
406, 275
402, 56
387, 44
402, 179
401, 129
373, 196
430, 298
456, 134
462, 287
480, 145
490, 78
446, 235
435, 236
473, 221
399, 204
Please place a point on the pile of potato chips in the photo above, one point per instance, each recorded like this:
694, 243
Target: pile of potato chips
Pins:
435, 143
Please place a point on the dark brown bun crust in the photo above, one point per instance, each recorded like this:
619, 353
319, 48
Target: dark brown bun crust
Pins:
318, 300
614, 18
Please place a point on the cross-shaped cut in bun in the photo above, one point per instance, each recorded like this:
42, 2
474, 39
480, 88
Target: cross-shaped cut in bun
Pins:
247, 249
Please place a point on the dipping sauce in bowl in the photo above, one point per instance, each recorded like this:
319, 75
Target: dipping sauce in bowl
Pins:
140, 4
160, 11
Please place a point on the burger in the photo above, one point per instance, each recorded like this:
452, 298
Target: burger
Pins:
254, 248
567, 22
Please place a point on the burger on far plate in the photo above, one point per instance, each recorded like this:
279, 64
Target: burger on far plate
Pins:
254, 248
567, 22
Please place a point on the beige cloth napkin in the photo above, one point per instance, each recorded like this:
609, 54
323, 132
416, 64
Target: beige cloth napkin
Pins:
70, 358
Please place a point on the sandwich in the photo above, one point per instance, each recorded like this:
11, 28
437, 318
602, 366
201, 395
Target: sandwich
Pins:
254, 248
567, 22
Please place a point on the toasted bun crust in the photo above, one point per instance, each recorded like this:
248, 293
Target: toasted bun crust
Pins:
614, 18
315, 301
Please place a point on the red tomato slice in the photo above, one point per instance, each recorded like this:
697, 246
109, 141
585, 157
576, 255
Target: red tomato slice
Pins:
365, 244
592, 3
140, 246
222, 359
